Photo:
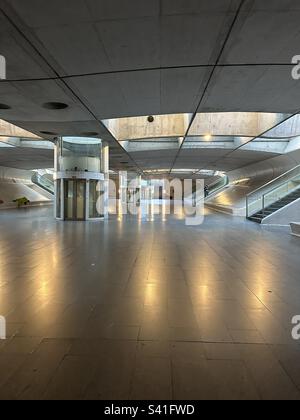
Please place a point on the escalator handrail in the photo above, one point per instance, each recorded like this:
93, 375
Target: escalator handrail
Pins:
40, 182
275, 180
280, 186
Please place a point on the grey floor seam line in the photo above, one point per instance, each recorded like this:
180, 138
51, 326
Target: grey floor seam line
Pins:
164, 308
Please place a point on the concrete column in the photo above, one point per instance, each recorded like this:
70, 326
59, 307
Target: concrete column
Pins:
123, 187
105, 171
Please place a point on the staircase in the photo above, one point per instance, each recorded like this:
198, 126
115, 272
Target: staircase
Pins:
259, 216
274, 196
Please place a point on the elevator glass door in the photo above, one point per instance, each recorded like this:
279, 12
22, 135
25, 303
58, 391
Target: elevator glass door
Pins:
75, 199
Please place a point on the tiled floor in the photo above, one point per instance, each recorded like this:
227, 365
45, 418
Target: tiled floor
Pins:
129, 309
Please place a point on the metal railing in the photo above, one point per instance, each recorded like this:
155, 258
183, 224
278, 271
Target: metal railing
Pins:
44, 182
213, 188
277, 189
217, 185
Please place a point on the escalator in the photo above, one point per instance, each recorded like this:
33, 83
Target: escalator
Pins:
274, 196
44, 181
213, 187
218, 185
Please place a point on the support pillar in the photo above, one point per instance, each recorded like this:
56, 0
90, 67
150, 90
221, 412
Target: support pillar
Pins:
105, 171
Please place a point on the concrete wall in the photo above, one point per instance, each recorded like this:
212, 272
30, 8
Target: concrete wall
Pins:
140, 128
245, 180
238, 124
11, 191
10, 130
16, 183
262, 172
18, 175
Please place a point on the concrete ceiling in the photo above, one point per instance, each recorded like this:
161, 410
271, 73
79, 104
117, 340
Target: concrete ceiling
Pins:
26, 158
122, 58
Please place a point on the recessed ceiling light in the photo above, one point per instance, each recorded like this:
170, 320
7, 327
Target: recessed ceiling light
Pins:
48, 133
90, 134
55, 105
4, 106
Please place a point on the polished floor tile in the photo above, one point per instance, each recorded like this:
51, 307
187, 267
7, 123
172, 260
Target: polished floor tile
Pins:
147, 310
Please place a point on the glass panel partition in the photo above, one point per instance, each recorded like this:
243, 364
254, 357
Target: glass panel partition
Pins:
273, 191
79, 154
95, 200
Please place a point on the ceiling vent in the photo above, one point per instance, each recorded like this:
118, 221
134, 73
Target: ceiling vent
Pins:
90, 134
4, 106
55, 105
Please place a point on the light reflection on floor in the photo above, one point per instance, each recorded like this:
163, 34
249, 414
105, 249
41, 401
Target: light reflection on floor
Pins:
140, 307
151, 210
